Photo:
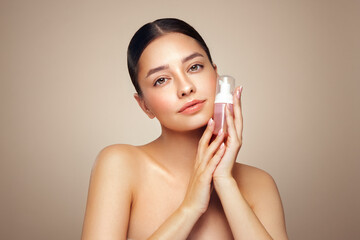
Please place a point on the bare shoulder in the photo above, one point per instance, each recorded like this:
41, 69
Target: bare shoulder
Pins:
246, 174
260, 191
254, 182
116, 155
116, 151
110, 192
115, 160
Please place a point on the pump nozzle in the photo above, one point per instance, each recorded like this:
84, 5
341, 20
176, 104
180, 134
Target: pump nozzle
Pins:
225, 88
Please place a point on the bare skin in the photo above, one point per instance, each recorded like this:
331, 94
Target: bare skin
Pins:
182, 185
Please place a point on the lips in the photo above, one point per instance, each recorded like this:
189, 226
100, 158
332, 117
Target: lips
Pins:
192, 106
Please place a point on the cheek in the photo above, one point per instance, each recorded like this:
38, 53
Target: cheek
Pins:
212, 87
209, 85
159, 103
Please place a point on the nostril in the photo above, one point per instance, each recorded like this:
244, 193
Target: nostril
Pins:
186, 92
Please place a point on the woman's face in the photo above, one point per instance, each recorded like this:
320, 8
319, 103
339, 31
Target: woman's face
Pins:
178, 82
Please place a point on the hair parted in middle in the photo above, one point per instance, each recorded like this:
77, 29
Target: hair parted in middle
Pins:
149, 32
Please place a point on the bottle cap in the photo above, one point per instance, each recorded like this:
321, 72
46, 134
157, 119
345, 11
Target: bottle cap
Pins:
225, 89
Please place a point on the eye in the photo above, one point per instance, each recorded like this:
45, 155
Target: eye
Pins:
195, 67
160, 81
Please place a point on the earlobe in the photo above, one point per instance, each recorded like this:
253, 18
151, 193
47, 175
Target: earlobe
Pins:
142, 104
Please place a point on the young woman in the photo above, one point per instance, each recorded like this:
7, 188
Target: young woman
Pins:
186, 184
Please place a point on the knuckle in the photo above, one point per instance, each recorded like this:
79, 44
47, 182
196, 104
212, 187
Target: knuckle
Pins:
205, 138
237, 143
220, 152
203, 177
207, 155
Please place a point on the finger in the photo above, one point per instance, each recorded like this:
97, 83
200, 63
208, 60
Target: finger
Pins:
216, 143
238, 111
215, 160
205, 139
211, 150
233, 139
230, 122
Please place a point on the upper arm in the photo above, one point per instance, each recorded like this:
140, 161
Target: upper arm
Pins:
110, 194
268, 207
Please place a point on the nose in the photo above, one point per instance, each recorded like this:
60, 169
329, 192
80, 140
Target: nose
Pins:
185, 86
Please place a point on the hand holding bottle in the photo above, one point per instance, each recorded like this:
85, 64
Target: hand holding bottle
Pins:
234, 122
208, 156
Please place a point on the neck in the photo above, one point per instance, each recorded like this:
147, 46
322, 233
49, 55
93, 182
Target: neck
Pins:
177, 150
181, 140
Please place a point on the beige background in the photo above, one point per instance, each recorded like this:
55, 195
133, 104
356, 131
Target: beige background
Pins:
65, 94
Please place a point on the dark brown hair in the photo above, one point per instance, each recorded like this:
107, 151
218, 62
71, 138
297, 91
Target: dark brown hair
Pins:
149, 32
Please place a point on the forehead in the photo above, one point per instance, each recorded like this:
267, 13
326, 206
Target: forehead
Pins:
168, 48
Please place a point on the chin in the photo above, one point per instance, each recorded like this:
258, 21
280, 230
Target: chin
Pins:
193, 123
194, 126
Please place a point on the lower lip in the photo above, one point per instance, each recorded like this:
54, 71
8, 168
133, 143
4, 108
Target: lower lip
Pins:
194, 108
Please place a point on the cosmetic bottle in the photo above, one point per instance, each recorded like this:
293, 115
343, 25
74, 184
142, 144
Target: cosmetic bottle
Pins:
224, 96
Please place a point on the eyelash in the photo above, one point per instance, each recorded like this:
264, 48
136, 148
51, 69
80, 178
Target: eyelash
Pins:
198, 67
159, 79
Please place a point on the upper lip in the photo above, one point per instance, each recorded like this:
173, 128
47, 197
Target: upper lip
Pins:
190, 103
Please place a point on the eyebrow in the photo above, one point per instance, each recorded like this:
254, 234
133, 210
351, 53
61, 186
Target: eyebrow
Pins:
163, 67
194, 55
157, 69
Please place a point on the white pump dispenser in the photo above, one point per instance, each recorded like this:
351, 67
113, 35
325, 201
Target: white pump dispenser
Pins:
225, 89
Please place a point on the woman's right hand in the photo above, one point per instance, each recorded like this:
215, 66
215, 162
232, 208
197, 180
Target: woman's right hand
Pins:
208, 156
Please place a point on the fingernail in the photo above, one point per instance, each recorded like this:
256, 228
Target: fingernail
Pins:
220, 132
222, 145
211, 121
241, 88
238, 93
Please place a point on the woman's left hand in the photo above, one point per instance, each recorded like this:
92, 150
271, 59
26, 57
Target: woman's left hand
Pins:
234, 139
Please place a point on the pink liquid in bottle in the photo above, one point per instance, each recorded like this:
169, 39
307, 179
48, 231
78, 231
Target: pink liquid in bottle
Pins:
220, 117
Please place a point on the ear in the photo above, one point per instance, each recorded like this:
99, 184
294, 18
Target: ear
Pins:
215, 68
143, 106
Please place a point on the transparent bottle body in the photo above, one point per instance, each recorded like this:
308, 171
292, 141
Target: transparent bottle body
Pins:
220, 117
